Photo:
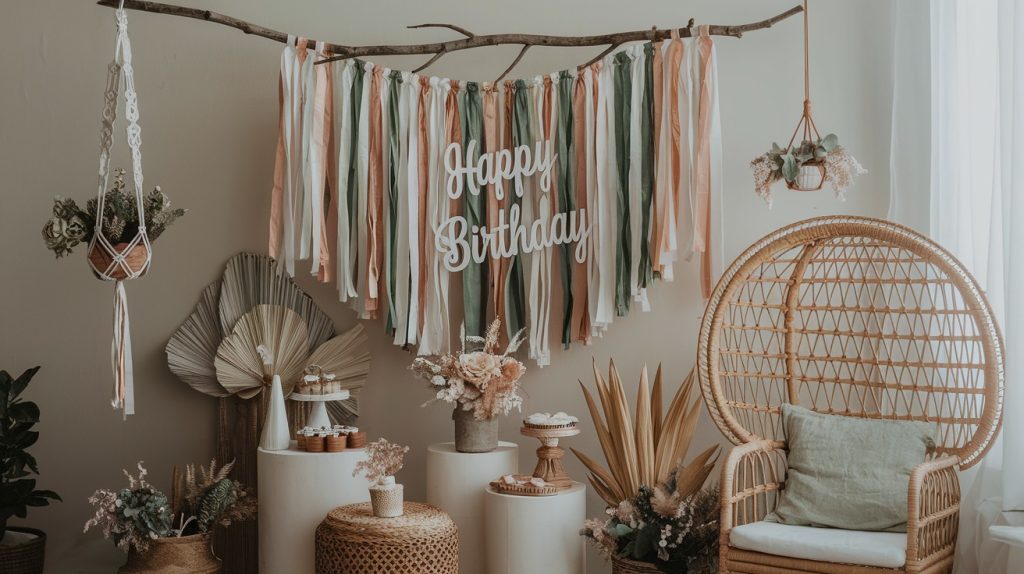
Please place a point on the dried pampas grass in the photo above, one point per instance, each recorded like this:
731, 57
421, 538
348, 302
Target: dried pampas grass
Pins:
649, 450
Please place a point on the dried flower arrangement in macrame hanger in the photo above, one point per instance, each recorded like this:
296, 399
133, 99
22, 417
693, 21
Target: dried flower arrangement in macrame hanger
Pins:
807, 165
119, 224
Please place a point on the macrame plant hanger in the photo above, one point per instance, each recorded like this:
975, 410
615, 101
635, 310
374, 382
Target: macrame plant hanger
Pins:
808, 180
122, 261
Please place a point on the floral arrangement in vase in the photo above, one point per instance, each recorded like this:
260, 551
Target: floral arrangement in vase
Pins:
480, 384
139, 516
806, 167
482, 381
384, 460
71, 225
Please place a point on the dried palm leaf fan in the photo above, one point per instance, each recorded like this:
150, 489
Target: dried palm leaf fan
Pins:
269, 340
193, 347
251, 280
644, 452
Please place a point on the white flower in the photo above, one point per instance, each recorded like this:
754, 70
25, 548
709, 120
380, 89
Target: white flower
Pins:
438, 381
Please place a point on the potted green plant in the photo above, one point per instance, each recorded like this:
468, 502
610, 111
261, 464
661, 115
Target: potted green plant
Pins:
806, 167
160, 534
21, 549
71, 225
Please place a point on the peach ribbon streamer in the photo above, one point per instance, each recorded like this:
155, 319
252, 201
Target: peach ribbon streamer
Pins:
424, 181
580, 315
656, 202
702, 171
670, 215
497, 266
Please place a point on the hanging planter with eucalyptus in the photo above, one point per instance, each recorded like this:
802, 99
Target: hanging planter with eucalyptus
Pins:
808, 164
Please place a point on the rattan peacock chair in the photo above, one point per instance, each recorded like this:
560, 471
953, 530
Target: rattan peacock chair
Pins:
852, 317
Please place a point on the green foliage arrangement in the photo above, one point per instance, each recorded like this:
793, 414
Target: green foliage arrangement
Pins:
17, 417
205, 498
136, 515
71, 225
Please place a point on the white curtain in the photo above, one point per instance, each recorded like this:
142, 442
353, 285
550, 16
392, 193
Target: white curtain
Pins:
966, 74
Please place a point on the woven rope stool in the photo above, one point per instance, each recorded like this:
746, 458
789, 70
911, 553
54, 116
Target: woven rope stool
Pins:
351, 540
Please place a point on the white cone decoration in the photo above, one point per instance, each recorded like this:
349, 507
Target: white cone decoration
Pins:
275, 427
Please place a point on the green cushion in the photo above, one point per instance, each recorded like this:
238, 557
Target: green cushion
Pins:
847, 472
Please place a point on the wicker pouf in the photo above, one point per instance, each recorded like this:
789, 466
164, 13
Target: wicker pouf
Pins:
351, 540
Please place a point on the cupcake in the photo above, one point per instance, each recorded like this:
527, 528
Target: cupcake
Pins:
558, 420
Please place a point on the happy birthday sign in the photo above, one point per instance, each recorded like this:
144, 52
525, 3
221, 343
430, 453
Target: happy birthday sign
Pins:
459, 243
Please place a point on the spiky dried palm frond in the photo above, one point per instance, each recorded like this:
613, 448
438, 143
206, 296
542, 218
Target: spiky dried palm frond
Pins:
649, 450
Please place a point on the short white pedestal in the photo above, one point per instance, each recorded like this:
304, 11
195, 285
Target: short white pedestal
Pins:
456, 483
532, 534
296, 491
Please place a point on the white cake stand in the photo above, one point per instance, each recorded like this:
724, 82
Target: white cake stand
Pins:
318, 418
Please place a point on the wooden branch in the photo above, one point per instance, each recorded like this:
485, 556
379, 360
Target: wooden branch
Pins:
458, 29
598, 57
513, 64
343, 52
435, 58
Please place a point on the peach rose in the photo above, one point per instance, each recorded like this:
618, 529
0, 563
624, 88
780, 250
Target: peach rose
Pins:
511, 369
479, 367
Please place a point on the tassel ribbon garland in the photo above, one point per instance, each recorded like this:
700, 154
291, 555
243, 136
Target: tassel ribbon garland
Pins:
401, 188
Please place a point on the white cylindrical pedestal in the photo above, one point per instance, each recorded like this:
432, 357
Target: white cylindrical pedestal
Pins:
456, 483
296, 491
530, 534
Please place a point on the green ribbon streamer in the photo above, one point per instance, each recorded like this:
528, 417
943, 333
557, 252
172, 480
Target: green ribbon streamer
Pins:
474, 207
647, 166
515, 299
623, 255
566, 149
394, 90
355, 97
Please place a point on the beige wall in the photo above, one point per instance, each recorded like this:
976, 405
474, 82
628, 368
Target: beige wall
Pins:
208, 102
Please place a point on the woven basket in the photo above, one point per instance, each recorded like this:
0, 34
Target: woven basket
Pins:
625, 566
135, 259
350, 540
387, 500
811, 177
174, 555
24, 558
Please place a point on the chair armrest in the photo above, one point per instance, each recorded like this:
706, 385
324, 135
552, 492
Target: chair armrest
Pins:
933, 504
752, 476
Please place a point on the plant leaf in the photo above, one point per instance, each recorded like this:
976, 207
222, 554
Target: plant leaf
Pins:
790, 169
829, 142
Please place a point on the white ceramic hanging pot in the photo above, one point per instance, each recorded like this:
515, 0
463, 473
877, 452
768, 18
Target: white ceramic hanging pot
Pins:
811, 177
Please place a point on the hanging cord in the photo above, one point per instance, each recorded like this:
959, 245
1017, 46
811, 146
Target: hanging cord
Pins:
810, 130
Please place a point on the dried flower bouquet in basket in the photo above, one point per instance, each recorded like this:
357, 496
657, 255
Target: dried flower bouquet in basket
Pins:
484, 381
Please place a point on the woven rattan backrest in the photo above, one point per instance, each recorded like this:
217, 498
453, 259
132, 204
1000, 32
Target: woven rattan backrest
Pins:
855, 317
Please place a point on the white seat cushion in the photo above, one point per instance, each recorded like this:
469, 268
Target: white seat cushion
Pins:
881, 549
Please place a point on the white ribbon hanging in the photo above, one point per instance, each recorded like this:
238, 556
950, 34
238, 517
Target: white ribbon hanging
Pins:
119, 268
